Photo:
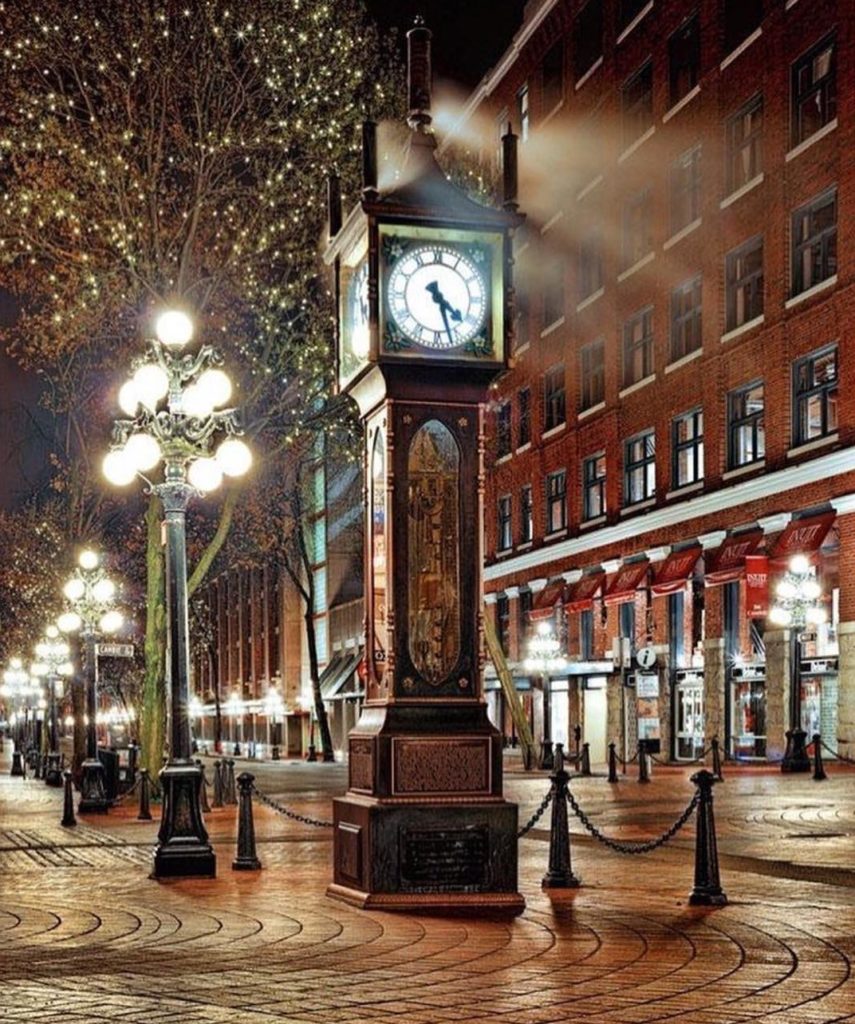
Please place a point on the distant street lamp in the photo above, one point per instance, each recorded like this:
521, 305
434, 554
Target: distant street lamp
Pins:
234, 706
52, 653
798, 603
544, 657
91, 594
275, 709
174, 402
15, 689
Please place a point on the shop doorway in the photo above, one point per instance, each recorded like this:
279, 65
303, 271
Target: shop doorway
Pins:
748, 712
689, 716
595, 713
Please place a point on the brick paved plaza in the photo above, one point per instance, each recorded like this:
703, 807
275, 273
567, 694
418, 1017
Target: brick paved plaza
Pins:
86, 936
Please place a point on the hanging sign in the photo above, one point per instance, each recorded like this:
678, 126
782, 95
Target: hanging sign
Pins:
115, 650
756, 586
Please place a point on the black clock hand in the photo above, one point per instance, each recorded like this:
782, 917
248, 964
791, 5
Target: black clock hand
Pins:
442, 302
447, 325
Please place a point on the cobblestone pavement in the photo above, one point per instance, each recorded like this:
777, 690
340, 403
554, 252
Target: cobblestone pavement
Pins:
86, 936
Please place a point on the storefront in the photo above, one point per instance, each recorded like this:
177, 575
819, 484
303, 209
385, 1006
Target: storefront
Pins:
688, 714
819, 697
746, 721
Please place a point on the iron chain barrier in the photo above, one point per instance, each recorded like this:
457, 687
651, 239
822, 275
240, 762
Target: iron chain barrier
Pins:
293, 815
837, 754
538, 814
632, 847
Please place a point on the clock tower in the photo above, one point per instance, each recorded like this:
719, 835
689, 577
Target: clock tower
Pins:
423, 284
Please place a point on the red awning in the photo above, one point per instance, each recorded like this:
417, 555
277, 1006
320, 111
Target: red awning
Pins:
802, 536
625, 582
676, 569
728, 563
543, 605
581, 595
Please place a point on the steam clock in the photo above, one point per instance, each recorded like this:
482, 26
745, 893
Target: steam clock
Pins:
424, 296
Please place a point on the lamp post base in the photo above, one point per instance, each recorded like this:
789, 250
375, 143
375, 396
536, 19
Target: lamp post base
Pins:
796, 756
53, 775
547, 757
17, 763
183, 850
93, 792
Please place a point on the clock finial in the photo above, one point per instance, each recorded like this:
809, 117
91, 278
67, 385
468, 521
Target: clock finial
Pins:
419, 75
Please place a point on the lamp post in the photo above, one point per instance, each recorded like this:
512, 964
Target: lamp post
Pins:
174, 403
544, 657
16, 683
52, 653
275, 707
90, 594
798, 603
235, 709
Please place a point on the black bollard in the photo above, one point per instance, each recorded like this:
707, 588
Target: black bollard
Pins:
716, 759
246, 859
230, 788
218, 783
145, 796
17, 764
236, 750
707, 890
203, 788
560, 873
818, 767
68, 819
613, 775
586, 759
274, 753
643, 764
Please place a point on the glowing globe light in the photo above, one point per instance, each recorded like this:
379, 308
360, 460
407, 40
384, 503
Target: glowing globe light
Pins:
152, 384
129, 398
780, 616
111, 622
66, 669
38, 668
143, 451
173, 328
103, 590
811, 589
51, 632
74, 589
196, 403
41, 650
816, 616
16, 663
69, 622
205, 475
233, 457
118, 468
88, 559
786, 590
215, 386
799, 565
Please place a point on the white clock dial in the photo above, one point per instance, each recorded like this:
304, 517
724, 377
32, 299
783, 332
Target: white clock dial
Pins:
357, 298
437, 296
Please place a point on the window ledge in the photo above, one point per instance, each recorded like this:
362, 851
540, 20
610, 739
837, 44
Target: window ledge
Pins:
592, 184
678, 106
741, 191
749, 467
684, 360
551, 113
553, 220
829, 282
553, 431
556, 534
552, 327
826, 129
635, 21
504, 553
743, 328
587, 524
789, 4
591, 410
638, 506
624, 274
809, 446
598, 294
627, 153
504, 458
637, 386
681, 234
743, 46
678, 492
518, 351
523, 447
526, 544
598, 63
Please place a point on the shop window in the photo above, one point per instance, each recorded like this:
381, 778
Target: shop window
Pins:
687, 447
815, 395
594, 486
741, 18
587, 37
684, 59
686, 189
503, 430
637, 104
635, 236
505, 524
814, 90
815, 242
553, 77
586, 634
744, 144
744, 283
639, 468
746, 426
503, 622
555, 399
590, 264
524, 405
626, 621
593, 375
523, 117
556, 501
553, 293
526, 514
677, 629
686, 318
638, 347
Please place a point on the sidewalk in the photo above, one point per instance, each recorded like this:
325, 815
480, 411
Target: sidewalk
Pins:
86, 936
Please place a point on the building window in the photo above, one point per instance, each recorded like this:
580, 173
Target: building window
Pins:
637, 104
586, 635
686, 189
626, 621
525, 602
505, 531
814, 90
503, 622
686, 318
684, 58
815, 395
687, 433
636, 241
523, 112
522, 333
526, 514
639, 468
553, 77
741, 18
628, 11
638, 347
524, 403
555, 399
503, 430
590, 264
588, 37
744, 283
553, 293
745, 424
815, 241
594, 486
556, 501
744, 139
593, 373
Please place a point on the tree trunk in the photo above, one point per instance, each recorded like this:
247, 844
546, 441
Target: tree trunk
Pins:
153, 718
320, 709
214, 663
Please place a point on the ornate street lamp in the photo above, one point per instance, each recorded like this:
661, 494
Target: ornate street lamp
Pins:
798, 603
174, 402
52, 653
545, 658
274, 706
90, 594
15, 689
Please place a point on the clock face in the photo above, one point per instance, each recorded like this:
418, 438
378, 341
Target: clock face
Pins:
437, 295
357, 299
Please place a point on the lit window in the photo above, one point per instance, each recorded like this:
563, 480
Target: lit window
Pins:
593, 383
686, 318
639, 468
555, 400
814, 90
505, 526
746, 426
638, 347
594, 486
815, 395
815, 242
526, 514
556, 501
744, 283
687, 445
744, 133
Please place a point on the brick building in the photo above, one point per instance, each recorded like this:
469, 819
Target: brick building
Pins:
678, 397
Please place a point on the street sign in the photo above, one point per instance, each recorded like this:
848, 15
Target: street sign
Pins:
646, 657
115, 650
